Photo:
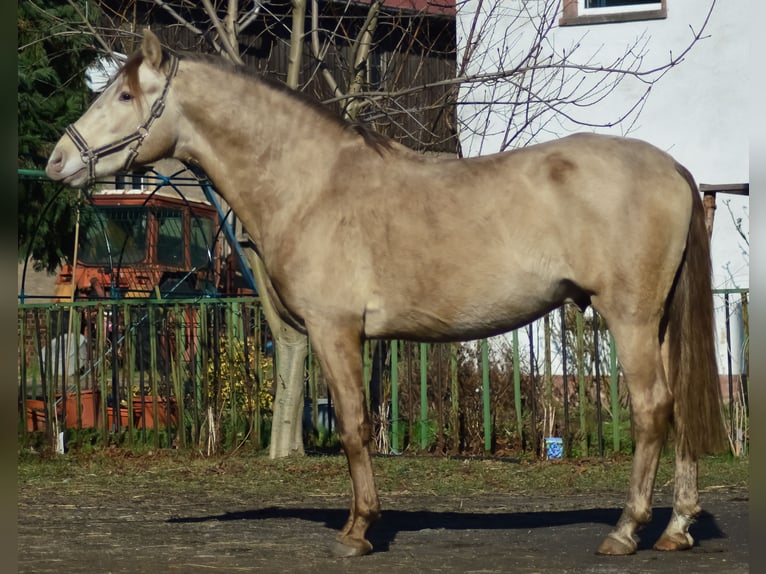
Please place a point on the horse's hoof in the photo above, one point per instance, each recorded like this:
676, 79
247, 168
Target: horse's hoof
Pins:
671, 543
614, 545
348, 547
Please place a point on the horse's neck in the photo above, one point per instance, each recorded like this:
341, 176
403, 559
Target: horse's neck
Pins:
254, 143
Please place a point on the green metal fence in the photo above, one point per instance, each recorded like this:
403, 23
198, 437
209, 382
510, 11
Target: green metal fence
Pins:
175, 373
160, 373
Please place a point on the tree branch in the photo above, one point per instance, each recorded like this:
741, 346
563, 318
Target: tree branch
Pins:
98, 37
229, 48
318, 54
178, 18
296, 43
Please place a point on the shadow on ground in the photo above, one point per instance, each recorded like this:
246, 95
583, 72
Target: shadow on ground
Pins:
395, 521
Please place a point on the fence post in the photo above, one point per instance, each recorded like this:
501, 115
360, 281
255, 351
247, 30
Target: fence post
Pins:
745, 376
178, 379
154, 370
597, 371
579, 325
423, 395
23, 374
517, 386
727, 313
485, 394
366, 371
439, 439
230, 354
395, 448
454, 399
615, 392
204, 383
128, 362
313, 390
534, 398
116, 405
101, 372
259, 355
565, 375
248, 390
549, 412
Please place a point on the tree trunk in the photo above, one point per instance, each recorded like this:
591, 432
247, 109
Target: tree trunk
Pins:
287, 426
291, 350
291, 346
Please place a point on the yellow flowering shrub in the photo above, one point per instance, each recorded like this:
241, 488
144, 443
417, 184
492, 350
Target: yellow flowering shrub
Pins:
233, 379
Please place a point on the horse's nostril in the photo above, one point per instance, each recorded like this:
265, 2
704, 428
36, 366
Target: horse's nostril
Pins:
55, 162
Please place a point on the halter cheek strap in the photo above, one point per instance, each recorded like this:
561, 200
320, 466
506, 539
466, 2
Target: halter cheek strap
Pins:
91, 156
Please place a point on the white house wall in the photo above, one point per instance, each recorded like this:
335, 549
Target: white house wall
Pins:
697, 112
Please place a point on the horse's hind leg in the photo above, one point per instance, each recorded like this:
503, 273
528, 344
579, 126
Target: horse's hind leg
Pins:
685, 496
340, 354
685, 505
651, 402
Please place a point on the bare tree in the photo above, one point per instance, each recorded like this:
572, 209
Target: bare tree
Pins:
508, 56
544, 87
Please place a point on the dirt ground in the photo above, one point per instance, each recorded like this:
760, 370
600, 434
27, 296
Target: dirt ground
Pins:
156, 531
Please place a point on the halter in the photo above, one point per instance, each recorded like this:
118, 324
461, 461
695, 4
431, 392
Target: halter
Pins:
91, 156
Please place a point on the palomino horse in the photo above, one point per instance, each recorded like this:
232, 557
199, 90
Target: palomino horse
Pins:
364, 238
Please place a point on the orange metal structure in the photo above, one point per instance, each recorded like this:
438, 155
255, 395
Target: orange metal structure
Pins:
133, 243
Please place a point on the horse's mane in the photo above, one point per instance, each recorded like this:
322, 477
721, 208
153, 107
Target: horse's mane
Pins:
375, 140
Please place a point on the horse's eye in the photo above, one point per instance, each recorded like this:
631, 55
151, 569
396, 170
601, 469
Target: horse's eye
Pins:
125, 96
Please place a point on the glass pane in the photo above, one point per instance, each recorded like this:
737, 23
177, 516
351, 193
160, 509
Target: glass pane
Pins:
170, 246
201, 241
112, 236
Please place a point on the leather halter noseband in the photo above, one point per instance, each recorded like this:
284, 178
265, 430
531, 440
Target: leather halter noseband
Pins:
91, 156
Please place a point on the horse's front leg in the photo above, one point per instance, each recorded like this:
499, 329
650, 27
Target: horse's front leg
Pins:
339, 352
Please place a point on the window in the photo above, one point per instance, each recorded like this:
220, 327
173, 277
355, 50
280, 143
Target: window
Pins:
577, 12
170, 240
201, 241
113, 236
129, 180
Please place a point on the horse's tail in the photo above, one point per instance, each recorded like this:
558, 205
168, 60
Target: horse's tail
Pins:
693, 371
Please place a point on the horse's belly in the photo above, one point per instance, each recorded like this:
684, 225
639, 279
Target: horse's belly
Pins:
439, 321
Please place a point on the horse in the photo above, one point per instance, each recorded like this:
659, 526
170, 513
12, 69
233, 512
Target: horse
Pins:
364, 238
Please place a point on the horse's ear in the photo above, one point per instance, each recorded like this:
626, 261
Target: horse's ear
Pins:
151, 49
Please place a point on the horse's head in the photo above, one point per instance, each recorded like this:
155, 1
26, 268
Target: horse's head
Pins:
126, 124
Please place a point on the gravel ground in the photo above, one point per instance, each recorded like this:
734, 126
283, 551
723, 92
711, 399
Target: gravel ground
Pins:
69, 529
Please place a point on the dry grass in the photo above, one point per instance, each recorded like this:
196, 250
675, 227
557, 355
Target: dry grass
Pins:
257, 475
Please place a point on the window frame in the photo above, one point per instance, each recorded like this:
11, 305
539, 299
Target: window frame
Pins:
574, 13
